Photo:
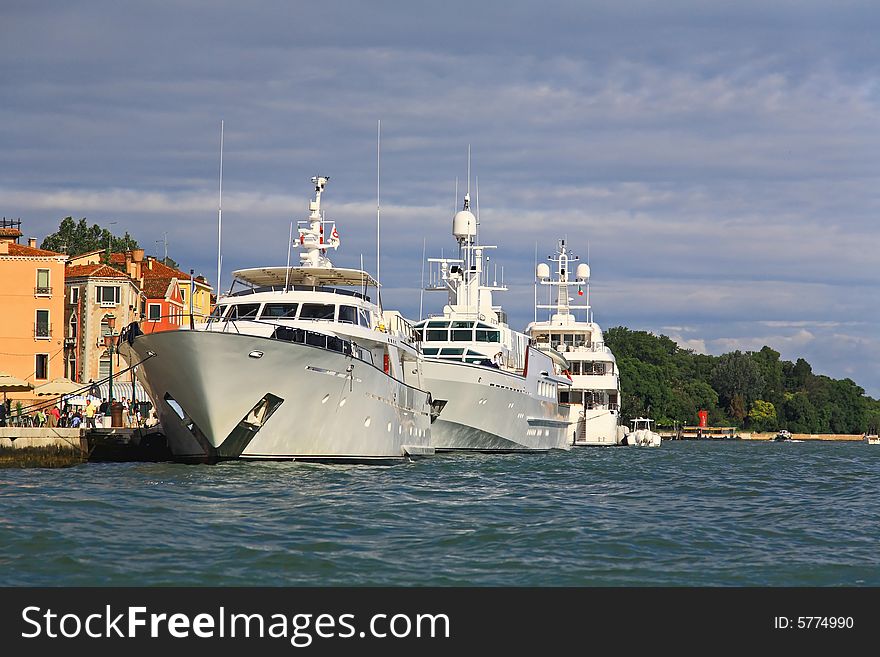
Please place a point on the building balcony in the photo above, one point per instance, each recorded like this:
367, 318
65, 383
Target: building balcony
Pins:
42, 291
43, 331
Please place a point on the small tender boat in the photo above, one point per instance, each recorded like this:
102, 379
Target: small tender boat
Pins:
642, 435
784, 434
872, 439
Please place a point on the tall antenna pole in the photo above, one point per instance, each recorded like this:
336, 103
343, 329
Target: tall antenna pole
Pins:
220, 214
289, 242
536, 281
378, 211
422, 291
477, 180
469, 170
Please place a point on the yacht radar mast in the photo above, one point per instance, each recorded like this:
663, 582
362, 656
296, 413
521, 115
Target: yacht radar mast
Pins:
313, 241
564, 260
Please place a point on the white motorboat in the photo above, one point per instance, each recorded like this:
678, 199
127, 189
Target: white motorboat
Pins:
642, 435
295, 365
579, 348
872, 439
494, 392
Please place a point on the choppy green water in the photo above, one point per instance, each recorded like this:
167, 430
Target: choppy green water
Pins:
689, 513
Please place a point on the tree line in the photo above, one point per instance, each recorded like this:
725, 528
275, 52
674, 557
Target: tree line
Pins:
77, 237
754, 390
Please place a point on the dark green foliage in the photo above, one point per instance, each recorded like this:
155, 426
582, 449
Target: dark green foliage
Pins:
753, 390
75, 238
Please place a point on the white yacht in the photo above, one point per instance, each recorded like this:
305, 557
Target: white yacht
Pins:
579, 349
492, 391
295, 365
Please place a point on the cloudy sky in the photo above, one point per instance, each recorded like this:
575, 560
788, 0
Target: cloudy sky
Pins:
718, 160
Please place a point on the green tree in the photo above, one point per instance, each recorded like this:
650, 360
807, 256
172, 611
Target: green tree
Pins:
762, 416
738, 381
770, 367
798, 413
76, 238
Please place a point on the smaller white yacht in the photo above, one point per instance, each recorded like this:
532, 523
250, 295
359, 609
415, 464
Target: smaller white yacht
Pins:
642, 435
579, 350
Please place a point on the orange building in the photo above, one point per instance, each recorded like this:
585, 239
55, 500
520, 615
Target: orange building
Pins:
31, 309
94, 292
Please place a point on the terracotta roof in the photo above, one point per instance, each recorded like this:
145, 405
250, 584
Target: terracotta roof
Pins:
7, 231
104, 271
161, 270
21, 250
156, 287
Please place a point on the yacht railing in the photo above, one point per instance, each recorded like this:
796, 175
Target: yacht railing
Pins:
401, 327
480, 317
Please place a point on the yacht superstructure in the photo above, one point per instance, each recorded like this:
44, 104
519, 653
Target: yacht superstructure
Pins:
578, 344
299, 364
494, 391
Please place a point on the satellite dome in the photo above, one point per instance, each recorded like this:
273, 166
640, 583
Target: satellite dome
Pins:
583, 271
464, 224
543, 270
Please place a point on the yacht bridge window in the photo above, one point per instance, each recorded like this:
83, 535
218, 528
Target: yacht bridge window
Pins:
437, 332
486, 333
463, 331
568, 339
279, 311
347, 315
242, 311
318, 311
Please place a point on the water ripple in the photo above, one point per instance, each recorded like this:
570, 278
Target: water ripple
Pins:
716, 514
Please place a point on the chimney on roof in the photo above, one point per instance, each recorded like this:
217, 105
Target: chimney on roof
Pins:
130, 267
32, 242
4, 247
150, 263
137, 255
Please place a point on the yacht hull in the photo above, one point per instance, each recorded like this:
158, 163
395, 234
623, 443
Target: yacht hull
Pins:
594, 427
222, 396
490, 410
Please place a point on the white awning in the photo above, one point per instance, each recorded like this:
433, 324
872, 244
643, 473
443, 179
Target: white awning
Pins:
261, 276
121, 389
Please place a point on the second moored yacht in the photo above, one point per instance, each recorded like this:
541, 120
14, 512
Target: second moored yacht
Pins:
494, 392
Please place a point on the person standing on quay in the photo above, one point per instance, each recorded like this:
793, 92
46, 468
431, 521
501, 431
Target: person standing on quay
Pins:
54, 416
90, 414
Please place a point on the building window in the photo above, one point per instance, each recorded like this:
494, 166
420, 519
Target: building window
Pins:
154, 312
183, 294
41, 366
74, 296
73, 326
42, 330
104, 368
107, 295
71, 369
43, 289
